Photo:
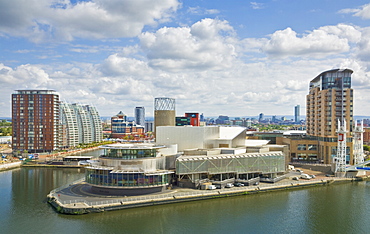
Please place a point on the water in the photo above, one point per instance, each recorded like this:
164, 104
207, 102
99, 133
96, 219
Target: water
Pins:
341, 208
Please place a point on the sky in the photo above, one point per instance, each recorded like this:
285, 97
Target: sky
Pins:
216, 57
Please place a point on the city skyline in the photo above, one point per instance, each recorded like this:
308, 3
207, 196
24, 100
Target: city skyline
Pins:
213, 57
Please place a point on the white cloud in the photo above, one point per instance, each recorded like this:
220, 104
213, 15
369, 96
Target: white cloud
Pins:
205, 67
320, 42
257, 5
363, 11
292, 85
363, 46
206, 44
28, 75
41, 20
202, 11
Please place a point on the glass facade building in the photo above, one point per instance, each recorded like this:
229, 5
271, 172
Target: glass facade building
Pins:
129, 167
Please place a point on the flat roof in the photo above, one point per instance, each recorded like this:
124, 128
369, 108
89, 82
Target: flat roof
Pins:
132, 146
226, 156
80, 156
255, 143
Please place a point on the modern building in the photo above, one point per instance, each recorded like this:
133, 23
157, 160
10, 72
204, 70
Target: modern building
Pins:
194, 118
164, 112
182, 121
35, 121
187, 156
140, 116
330, 99
95, 123
121, 127
80, 124
221, 155
128, 169
69, 126
149, 126
208, 137
297, 117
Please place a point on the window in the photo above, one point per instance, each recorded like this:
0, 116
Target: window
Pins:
301, 147
312, 147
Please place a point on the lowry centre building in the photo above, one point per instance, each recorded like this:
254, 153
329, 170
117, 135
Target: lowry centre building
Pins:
185, 156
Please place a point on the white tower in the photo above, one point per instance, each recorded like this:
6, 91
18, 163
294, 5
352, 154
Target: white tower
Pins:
340, 164
358, 144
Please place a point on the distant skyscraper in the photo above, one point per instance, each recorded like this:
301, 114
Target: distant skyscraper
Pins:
274, 119
222, 119
140, 116
201, 118
297, 117
35, 120
261, 117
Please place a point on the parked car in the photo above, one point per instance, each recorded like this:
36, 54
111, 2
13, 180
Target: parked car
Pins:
238, 184
295, 178
313, 176
229, 185
256, 183
305, 176
298, 170
211, 187
218, 186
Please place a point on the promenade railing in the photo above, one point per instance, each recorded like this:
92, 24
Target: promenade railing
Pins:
183, 195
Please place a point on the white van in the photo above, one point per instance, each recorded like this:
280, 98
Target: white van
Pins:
305, 176
211, 187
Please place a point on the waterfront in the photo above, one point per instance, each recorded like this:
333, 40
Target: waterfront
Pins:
322, 209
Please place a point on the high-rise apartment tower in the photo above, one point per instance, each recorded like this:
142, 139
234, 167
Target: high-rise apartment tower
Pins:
35, 121
330, 99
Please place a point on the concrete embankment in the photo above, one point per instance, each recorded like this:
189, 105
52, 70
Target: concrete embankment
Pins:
51, 166
82, 206
8, 166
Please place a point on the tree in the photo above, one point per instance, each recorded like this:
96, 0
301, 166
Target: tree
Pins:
366, 148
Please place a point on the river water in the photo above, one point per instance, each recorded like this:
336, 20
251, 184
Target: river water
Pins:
343, 208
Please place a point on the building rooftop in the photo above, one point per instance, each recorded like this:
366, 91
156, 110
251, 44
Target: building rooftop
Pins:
132, 146
223, 156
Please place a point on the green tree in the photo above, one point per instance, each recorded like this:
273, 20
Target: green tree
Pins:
366, 148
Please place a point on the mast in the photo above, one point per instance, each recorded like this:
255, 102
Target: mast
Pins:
358, 144
340, 164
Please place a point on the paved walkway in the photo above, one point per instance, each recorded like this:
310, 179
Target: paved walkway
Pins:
81, 192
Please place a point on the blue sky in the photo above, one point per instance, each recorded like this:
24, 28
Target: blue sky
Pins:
236, 58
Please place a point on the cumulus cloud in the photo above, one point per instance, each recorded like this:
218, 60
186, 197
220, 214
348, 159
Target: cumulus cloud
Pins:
363, 11
41, 20
117, 65
320, 42
292, 85
363, 46
206, 44
27, 74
